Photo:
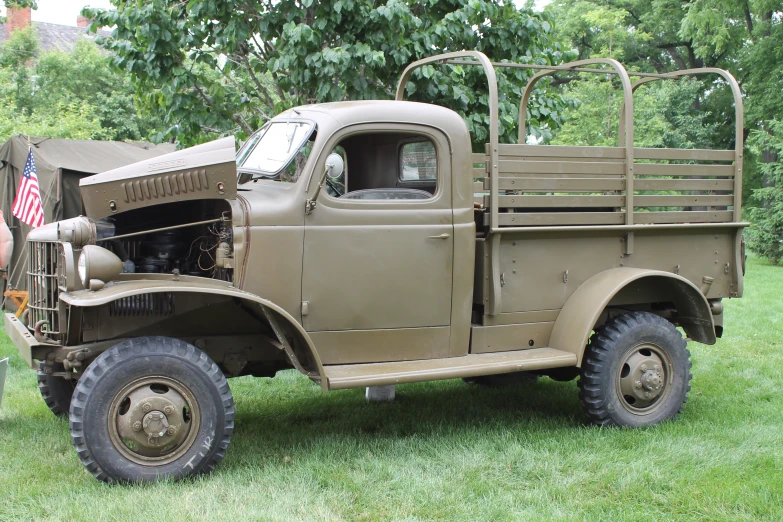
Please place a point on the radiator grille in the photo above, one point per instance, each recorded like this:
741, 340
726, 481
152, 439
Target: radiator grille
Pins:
42, 288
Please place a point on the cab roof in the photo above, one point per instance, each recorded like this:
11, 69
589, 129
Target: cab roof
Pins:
374, 111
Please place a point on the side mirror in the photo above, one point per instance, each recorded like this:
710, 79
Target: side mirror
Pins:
334, 169
334, 166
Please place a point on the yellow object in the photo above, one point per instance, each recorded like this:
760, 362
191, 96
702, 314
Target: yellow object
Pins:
20, 298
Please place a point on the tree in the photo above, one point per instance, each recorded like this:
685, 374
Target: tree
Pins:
212, 68
744, 37
647, 36
765, 237
65, 95
664, 114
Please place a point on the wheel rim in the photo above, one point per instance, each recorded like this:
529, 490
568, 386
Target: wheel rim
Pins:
153, 421
644, 379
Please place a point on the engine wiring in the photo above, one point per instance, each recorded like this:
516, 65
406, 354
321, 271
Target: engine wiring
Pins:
207, 245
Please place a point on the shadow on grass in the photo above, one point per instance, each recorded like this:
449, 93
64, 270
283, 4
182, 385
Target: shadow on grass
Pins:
276, 423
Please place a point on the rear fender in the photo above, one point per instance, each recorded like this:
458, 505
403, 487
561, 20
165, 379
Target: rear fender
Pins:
264, 308
583, 309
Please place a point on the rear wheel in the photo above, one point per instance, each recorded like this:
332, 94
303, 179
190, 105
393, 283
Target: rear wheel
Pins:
56, 391
151, 408
636, 372
502, 380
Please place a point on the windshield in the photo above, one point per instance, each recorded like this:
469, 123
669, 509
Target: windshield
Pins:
270, 151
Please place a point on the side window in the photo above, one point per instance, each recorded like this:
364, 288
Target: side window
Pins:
418, 162
387, 166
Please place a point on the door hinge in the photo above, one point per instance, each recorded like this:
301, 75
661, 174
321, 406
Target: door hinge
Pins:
309, 206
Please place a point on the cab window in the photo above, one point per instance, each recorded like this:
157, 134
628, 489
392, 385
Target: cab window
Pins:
386, 166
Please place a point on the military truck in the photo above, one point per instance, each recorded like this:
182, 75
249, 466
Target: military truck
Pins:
364, 244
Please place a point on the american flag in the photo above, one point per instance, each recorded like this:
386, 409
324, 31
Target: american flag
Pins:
27, 205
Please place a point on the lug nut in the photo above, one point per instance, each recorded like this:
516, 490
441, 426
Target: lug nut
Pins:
146, 408
171, 430
638, 384
137, 426
168, 410
643, 367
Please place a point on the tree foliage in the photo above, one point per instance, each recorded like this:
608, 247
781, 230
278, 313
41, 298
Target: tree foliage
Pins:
214, 67
743, 36
765, 237
664, 115
648, 36
65, 95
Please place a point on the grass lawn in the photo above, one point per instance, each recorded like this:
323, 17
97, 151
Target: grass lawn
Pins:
446, 450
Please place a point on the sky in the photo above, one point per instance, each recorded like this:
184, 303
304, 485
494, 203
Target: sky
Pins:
64, 12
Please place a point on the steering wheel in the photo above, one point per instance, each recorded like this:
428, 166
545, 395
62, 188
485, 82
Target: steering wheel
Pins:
331, 186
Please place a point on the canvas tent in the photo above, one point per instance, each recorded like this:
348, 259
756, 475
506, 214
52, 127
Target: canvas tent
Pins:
60, 165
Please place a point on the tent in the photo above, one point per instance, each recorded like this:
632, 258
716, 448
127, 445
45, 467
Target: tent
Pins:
60, 164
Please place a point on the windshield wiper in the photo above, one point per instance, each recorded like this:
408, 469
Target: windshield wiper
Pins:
256, 173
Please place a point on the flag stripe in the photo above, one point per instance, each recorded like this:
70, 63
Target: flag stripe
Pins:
27, 204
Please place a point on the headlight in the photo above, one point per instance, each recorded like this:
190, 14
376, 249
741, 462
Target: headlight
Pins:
79, 231
97, 264
81, 267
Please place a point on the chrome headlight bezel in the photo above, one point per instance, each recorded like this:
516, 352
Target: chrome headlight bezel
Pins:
97, 264
66, 268
81, 268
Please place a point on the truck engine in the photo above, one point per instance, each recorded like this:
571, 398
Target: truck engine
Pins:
190, 238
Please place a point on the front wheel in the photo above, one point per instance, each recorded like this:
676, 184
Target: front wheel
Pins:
151, 408
56, 391
636, 372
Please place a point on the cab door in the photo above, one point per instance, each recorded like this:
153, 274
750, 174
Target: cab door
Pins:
378, 259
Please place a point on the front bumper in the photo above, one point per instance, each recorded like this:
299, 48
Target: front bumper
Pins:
21, 337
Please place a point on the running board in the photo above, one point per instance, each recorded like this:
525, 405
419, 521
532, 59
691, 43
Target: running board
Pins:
381, 374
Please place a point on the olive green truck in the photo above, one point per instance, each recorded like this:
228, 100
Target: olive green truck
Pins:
364, 244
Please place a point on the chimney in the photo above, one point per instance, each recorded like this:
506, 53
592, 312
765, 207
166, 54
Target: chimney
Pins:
17, 18
82, 21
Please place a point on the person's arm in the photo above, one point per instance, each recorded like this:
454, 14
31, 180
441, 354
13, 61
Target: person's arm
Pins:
6, 242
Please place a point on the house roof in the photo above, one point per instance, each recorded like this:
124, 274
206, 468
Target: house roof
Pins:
55, 36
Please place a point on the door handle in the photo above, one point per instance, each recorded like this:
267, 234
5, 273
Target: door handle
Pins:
442, 236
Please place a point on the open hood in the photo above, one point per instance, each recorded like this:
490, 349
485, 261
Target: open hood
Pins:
205, 171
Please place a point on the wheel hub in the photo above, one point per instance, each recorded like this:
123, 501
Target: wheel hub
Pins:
642, 378
651, 381
153, 420
155, 424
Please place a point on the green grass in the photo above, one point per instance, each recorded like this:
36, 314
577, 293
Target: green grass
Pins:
448, 451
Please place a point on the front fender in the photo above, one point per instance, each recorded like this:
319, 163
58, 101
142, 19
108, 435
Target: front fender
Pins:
583, 309
118, 290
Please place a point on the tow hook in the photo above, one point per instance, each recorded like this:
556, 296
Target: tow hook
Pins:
38, 331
